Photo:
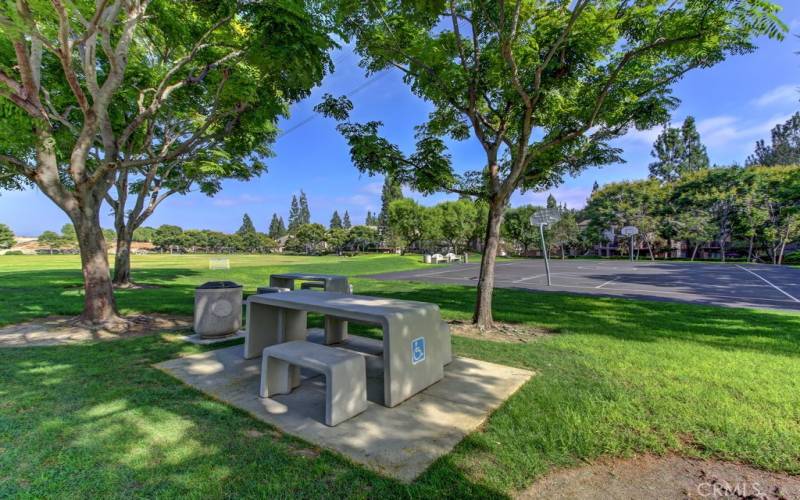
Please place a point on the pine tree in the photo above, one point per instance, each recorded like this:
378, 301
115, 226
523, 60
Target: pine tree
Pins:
368, 219
305, 213
784, 148
247, 226
551, 201
391, 191
346, 221
336, 221
276, 227
294, 214
678, 151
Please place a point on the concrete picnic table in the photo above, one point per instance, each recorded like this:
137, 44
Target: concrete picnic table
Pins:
331, 282
416, 342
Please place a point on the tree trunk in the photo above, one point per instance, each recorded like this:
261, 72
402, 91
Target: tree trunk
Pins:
483, 304
750, 250
784, 240
780, 255
99, 305
122, 257
694, 252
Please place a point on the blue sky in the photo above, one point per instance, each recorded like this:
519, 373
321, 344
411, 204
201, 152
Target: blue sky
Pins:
735, 103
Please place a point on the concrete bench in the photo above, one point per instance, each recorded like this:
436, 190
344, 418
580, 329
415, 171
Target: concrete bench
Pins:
345, 376
438, 258
310, 285
451, 257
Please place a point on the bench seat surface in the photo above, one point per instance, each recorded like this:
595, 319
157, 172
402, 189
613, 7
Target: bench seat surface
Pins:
310, 355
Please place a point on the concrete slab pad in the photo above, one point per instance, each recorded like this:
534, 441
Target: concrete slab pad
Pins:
197, 339
400, 442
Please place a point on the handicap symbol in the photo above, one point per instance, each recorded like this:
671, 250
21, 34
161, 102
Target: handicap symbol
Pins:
417, 350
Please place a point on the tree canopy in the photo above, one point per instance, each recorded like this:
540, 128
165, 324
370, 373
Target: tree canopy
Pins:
150, 96
336, 221
6, 237
678, 151
543, 86
276, 227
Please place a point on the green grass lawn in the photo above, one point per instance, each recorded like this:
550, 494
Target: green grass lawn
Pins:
619, 377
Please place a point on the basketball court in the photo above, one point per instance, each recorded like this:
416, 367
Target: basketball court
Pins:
732, 285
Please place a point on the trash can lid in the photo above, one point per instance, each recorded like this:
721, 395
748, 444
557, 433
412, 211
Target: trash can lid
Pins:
211, 285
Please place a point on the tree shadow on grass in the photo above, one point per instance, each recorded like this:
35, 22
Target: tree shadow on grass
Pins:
625, 319
99, 420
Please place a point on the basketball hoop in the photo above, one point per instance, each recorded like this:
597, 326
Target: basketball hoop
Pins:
541, 218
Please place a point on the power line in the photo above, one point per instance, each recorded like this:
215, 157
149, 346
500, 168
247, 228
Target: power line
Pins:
354, 91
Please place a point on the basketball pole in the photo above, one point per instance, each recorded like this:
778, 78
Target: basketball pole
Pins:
544, 252
632, 236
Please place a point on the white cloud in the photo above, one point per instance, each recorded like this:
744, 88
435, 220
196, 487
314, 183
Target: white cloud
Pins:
360, 201
643, 137
726, 136
373, 188
731, 132
242, 199
783, 95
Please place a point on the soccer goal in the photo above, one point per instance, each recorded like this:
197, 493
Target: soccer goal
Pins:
219, 264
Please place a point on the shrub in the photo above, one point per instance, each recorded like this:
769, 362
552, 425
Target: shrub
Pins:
792, 258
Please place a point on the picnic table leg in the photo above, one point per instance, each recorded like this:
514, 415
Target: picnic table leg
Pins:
293, 326
281, 282
337, 285
262, 329
404, 372
335, 330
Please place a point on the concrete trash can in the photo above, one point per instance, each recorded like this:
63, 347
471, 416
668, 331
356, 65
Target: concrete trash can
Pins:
427, 259
217, 309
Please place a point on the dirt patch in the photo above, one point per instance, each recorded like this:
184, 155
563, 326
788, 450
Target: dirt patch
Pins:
668, 477
304, 452
137, 286
128, 286
502, 332
60, 330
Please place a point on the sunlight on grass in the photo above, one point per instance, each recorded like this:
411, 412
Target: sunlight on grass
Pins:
619, 377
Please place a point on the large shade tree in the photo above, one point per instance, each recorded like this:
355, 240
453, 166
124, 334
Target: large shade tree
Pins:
150, 96
542, 85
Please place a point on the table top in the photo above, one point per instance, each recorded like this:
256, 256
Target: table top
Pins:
356, 306
309, 276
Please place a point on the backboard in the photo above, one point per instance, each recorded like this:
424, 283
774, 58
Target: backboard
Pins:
545, 216
629, 231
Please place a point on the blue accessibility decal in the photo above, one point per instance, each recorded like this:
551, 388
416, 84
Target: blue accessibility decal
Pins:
417, 350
